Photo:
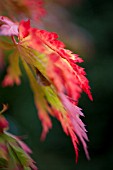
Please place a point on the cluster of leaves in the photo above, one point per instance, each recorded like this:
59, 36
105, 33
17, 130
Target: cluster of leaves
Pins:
55, 78
14, 154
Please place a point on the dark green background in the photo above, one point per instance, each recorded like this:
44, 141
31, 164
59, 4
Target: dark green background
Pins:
56, 152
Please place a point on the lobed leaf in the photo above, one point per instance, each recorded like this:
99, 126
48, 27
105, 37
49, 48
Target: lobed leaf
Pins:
55, 78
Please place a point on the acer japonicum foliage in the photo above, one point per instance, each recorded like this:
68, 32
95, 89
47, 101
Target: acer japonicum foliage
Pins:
56, 79
14, 154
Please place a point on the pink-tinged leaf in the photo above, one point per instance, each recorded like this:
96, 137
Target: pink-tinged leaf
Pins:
21, 151
24, 147
7, 27
21, 143
78, 126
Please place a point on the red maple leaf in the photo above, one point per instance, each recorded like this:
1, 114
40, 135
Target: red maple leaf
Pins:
56, 80
65, 76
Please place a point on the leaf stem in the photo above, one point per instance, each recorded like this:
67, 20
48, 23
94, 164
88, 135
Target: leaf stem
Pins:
13, 39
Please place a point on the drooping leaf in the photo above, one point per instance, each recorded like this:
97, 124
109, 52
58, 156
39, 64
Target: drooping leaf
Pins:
55, 78
66, 80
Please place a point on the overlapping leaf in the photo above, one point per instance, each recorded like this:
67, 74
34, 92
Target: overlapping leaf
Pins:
13, 156
14, 153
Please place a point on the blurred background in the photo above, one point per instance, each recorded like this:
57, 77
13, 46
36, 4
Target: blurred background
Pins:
86, 27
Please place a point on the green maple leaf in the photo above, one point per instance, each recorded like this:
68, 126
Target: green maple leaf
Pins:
21, 156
